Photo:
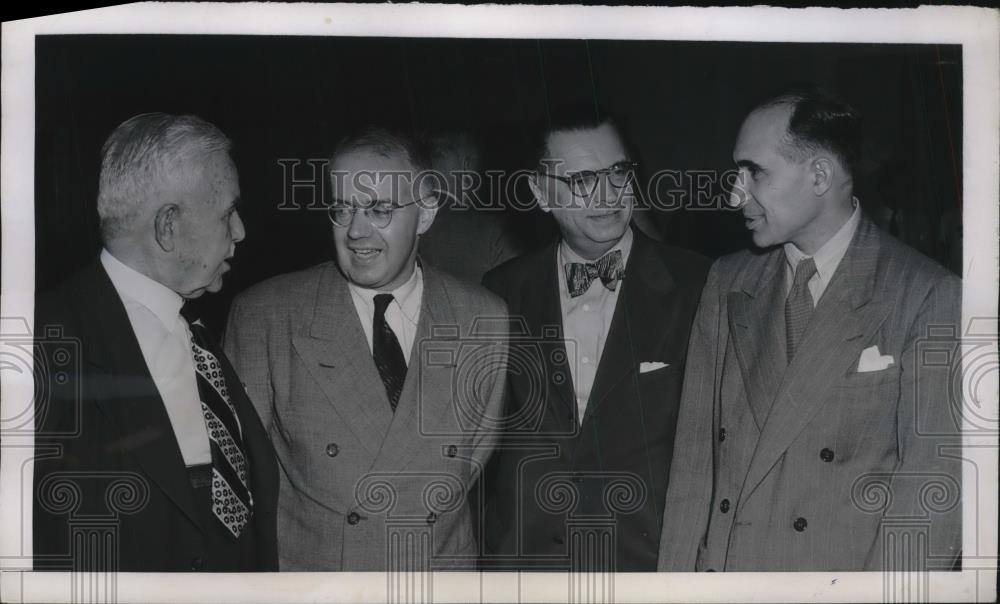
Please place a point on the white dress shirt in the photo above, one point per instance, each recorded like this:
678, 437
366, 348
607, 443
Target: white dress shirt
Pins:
402, 314
827, 258
586, 321
154, 312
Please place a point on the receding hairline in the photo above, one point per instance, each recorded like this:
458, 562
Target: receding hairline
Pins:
605, 122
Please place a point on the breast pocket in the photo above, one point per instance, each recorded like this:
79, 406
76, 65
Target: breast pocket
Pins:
871, 379
661, 380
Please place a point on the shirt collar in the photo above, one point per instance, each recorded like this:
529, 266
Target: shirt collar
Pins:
828, 257
567, 255
401, 294
159, 299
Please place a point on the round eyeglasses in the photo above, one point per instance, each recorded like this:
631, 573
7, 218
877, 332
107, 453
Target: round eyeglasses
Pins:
378, 213
584, 183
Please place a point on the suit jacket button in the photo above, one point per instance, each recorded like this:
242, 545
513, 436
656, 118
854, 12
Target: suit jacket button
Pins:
452, 451
332, 449
722, 434
724, 506
800, 524
432, 518
353, 518
710, 570
826, 455
197, 563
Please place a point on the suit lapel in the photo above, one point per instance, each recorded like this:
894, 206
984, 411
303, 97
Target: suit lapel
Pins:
427, 391
843, 323
337, 355
645, 296
757, 324
128, 395
542, 310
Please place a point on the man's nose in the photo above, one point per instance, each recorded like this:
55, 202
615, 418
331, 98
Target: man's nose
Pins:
360, 226
239, 231
738, 194
607, 195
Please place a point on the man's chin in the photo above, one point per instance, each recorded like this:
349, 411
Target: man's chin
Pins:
212, 288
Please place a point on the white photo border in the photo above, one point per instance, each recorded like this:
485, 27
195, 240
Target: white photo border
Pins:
975, 29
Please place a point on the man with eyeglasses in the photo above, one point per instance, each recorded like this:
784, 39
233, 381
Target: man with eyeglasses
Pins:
378, 377
579, 479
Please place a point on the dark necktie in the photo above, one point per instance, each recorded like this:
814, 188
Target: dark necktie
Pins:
579, 275
387, 353
798, 306
232, 501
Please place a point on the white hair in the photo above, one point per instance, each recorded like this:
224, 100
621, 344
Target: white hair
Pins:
140, 156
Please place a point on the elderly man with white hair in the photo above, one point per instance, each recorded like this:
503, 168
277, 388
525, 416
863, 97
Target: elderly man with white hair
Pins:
154, 433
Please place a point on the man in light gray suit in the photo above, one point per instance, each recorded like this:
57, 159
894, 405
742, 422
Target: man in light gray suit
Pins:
817, 426
377, 378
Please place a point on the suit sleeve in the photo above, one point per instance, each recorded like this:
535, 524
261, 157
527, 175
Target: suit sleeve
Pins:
924, 491
491, 391
689, 489
245, 344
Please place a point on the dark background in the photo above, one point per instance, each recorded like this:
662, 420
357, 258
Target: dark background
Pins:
293, 97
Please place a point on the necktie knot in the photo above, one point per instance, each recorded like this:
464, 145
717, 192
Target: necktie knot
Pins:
608, 268
382, 302
804, 271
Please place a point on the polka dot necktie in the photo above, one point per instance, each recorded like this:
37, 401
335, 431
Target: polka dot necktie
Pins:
232, 502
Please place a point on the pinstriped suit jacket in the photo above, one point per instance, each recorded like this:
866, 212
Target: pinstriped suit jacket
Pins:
359, 484
816, 466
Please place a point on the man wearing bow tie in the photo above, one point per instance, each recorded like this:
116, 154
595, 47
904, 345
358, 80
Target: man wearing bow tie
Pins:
596, 370
154, 441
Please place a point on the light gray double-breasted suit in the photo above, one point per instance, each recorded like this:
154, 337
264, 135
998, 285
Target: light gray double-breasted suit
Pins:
815, 465
363, 488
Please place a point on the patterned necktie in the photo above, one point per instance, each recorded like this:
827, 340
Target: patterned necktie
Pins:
232, 501
579, 275
798, 306
387, 353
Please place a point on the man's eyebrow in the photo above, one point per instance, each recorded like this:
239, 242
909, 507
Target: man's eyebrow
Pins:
746, 163
237, 204
623, 160
368, 201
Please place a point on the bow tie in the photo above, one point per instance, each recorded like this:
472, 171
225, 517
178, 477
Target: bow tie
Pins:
579, 275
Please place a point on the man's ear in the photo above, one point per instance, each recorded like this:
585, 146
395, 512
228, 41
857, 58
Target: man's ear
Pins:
165, 225
822, 169
536, 190
427, 209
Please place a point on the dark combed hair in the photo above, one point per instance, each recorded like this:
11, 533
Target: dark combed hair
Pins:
567, 118
820, 120
387, 141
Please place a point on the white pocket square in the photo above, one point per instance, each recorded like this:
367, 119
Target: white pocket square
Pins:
647, 366
872, 360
